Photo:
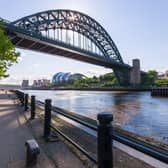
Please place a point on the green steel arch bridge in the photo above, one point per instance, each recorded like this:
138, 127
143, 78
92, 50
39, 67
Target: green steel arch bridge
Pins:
69, 34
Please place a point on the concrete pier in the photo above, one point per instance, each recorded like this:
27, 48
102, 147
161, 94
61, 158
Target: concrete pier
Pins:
135, 73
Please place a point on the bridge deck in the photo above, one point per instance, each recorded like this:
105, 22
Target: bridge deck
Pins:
45, 45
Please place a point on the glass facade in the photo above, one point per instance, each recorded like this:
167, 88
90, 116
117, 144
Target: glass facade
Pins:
61, 77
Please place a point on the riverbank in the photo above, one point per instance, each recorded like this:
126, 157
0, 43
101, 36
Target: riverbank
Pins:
133, 89
122, 155
121, 158
119, 129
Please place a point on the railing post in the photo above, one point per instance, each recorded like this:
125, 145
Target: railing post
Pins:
21, 97
47, 118
104, 140
33, 106
26, 101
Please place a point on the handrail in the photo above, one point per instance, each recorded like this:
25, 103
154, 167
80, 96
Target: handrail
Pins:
93, 159
70, 116
57, 110
40, 103
75, 144
148, 149
151, 150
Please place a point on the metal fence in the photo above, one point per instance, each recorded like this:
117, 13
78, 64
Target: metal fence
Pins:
104, 129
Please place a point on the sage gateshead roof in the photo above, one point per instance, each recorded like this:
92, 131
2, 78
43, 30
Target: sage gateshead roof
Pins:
61, 77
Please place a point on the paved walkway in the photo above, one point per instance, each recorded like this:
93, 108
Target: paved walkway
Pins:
15, 129
13, 134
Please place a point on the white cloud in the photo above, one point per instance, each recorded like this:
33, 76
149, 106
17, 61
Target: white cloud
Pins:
10, 81
35, 65
93, 72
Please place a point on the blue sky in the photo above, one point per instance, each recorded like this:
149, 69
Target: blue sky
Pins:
139, 28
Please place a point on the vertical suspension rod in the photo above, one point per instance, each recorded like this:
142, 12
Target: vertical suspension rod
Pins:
79, 40
58, 34
73, 38
61, 34
83, 42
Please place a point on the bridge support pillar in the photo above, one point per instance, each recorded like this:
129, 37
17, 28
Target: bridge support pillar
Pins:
123, 76
135, 74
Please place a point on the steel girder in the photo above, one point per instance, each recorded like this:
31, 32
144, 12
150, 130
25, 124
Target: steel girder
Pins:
75, 21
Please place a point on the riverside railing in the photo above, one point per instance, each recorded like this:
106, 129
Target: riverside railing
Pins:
104, 132
159, 91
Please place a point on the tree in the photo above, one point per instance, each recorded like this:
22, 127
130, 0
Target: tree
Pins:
8, 54
149, 78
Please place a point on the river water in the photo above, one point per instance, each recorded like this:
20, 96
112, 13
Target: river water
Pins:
136, 112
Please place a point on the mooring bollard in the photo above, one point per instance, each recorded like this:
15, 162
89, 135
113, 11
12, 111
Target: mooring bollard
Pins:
33, 151
104, 140
47, 118
22, 98
33, 106
26, 101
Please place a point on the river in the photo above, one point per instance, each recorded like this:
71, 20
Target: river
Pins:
136, 112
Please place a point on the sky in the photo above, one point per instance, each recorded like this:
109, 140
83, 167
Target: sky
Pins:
139, 29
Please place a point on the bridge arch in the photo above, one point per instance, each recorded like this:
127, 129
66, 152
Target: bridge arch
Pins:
33, 33
75, 22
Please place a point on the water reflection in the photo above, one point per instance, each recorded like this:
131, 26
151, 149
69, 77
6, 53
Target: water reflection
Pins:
134, 111
126, 107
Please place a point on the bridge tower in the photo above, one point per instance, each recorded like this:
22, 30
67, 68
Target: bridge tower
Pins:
135, 74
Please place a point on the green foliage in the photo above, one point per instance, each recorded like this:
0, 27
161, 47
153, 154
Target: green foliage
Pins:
115, 81
152, 74
149, 78
161, 82
107, 77
108, 84
106, 80
8, 54
79, 84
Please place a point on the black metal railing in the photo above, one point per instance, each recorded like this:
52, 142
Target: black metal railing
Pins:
159, 91
104, 156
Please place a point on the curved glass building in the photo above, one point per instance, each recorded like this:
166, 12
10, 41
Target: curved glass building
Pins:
62, 77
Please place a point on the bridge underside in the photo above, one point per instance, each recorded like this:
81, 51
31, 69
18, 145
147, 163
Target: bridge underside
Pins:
49, 46
61, 49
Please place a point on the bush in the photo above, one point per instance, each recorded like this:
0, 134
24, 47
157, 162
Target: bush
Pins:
108, 84
106, 80
161, 82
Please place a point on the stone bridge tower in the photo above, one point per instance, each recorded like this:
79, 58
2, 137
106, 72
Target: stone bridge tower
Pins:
135, 76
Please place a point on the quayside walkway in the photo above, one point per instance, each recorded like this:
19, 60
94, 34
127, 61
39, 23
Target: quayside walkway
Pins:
15, 129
